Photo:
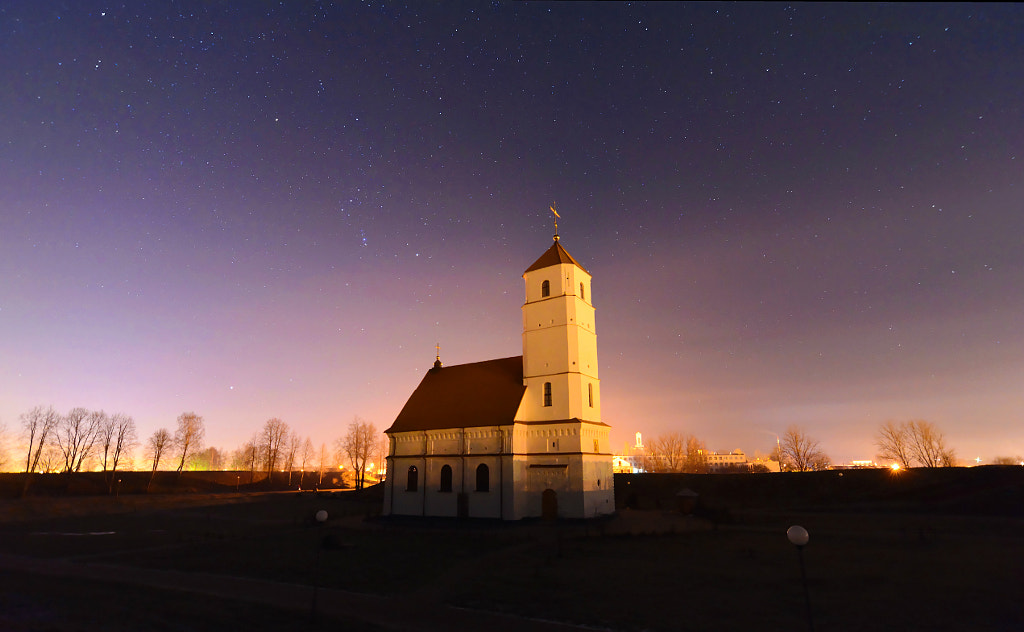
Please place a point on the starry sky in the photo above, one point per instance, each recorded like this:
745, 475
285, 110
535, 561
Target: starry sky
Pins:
794, 214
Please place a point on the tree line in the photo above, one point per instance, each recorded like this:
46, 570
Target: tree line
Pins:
83, 439
915, 443
276, 447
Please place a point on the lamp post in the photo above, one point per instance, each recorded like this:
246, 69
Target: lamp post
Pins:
799, 537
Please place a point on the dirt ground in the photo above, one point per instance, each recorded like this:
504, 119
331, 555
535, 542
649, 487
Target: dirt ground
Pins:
261, 562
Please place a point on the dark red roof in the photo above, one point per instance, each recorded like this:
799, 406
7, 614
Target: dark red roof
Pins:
465, 396
553, 256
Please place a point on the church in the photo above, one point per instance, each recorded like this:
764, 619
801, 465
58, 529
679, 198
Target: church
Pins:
518, 437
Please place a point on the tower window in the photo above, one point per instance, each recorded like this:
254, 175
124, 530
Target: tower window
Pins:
583, 293
545, 289
590, 394
412, 482
483, 478
446, 478
547, 393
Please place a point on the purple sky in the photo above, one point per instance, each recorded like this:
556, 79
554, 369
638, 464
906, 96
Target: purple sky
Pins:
804, 214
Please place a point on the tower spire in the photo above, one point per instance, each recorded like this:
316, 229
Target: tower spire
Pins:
437, 360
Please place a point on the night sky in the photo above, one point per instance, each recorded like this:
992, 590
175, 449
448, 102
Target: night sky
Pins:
794, 214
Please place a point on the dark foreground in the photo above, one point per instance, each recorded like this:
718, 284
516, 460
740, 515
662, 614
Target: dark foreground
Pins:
261, 562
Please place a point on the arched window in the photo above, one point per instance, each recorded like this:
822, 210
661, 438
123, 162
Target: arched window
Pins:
545, 289
547, 393
412, 483
583, 293
446, 478
590, 394
483, 478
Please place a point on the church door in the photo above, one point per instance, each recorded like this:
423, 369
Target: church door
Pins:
549, 504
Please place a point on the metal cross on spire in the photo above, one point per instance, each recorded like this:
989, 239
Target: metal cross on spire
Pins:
552, 207
437, 360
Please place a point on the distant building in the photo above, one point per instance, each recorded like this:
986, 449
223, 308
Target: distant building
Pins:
716, 462
624, 465
516, 437
857, 465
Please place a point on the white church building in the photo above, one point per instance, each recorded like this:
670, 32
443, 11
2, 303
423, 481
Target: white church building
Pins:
517, 437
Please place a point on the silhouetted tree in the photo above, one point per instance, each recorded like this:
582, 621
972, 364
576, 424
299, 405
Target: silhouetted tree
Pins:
188, 438
271, 442
156, 446
357, 445
913, 443
893, 443
38, 425
929, 445
291, 452
322, 465
252, 457
76, 434
308, 453
800, 452
381, 455
1008, 460
52, 461
117, 439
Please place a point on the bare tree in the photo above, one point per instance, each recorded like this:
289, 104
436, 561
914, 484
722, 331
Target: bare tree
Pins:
323, 465
157, 444
696, 456
356, 446
676, 452
911, 443
307, 454
381, 456
75, 435
1008, 460
894, 444
667, 452
244, 459
251, 456
928, 445
271, 442
188, 438
38, 425
52, 460
291, 452
117, 439
800, 452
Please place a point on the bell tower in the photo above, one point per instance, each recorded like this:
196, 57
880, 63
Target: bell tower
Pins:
559, 341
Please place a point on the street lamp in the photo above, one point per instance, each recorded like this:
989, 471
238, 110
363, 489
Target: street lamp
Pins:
799, 537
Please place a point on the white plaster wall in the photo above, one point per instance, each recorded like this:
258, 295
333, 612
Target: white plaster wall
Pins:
429, 451
402, 502
551, 345
484, 504
579, 495
409, 443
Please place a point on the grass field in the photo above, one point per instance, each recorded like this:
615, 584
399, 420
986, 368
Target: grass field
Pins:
869, 568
